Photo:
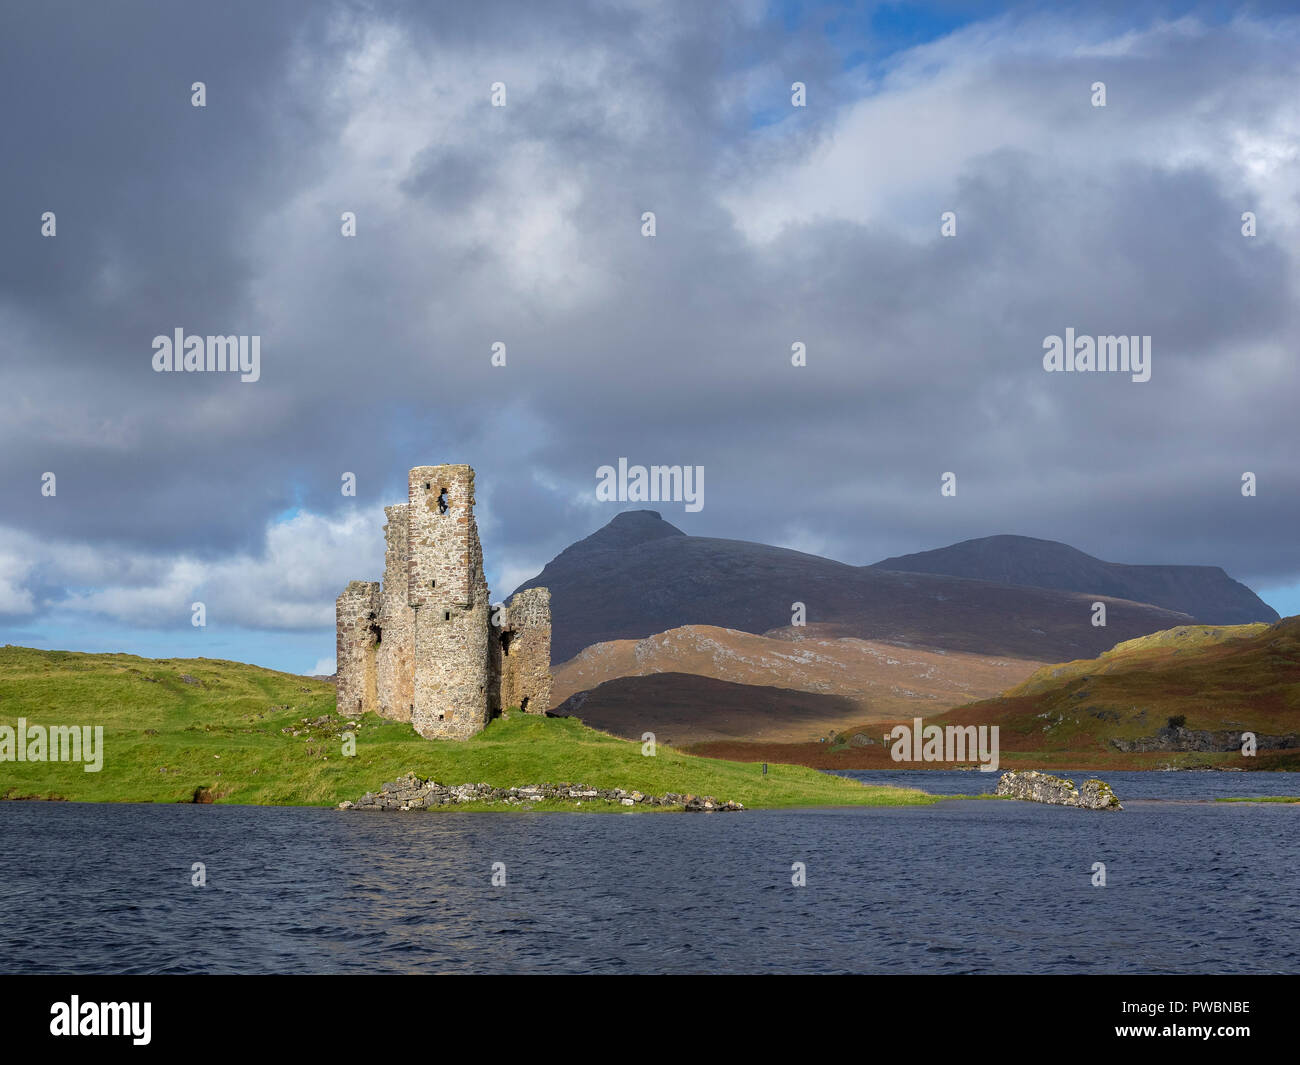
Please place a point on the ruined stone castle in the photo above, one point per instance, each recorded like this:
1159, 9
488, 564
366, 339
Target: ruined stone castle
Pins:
426, 646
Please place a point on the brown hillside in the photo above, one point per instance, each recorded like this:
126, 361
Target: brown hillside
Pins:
872, 680
1218, 680
680, 708
1243, 677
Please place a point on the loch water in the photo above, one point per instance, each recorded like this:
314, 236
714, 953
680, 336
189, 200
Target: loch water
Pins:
965, 886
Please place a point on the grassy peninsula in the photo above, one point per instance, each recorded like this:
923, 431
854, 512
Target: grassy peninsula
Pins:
177, 729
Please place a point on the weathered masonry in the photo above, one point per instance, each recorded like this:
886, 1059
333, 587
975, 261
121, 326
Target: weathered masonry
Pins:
427, 646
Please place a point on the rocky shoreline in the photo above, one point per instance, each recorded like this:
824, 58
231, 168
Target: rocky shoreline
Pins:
1177, 738
412, 793
1033, 786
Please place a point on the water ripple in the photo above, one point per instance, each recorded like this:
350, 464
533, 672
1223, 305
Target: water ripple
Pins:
963, 887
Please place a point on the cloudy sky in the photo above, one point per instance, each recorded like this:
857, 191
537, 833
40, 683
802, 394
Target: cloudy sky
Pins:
522, 225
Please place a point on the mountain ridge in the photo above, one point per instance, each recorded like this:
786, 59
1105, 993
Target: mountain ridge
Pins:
1205, 593
639, 575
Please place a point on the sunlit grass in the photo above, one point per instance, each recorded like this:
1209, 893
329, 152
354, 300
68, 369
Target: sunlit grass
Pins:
222, 733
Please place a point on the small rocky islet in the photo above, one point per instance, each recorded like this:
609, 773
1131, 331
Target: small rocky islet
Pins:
412, 793
1033, 786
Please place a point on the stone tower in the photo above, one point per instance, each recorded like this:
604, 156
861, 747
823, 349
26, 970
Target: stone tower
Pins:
427, 646
446, 590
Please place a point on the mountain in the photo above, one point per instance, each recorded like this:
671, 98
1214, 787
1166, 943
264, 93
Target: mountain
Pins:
1205, 593
639, 576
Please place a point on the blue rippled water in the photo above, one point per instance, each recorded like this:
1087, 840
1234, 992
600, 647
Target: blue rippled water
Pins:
964, 886
1188, 785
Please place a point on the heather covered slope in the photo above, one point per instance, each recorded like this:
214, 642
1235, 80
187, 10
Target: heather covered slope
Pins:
639, 576
1210, 680
1205, 593
1115, 711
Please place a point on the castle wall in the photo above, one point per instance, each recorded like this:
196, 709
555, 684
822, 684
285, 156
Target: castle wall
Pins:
449, 595
356, 614
421, 647
395, 657
521, 652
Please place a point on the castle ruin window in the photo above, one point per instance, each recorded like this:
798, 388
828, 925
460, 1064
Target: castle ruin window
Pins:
507, 635
443, 506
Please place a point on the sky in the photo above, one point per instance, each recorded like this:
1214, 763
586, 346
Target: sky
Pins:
522, 225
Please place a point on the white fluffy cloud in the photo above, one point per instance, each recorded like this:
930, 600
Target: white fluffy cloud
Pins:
290, 583
14, 571
896, 156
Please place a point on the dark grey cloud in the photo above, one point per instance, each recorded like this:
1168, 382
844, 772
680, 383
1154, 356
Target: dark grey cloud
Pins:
522, 225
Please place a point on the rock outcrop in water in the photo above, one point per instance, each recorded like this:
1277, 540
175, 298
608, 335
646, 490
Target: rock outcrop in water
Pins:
412, 793
1033, 786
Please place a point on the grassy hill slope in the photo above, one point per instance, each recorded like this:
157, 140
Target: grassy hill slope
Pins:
230, 732
1238, 677
1215, 678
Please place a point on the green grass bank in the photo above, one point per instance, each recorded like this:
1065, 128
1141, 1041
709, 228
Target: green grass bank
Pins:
235, 733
